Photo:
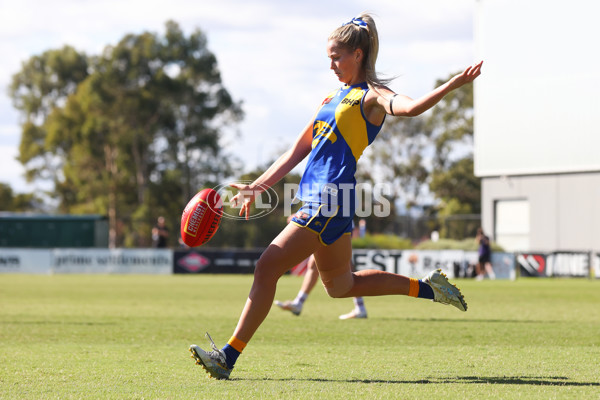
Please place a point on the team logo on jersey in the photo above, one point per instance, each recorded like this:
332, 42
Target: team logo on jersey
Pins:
322, 130
327, 100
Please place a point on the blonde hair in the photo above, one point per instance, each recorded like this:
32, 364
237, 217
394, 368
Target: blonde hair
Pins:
357, 36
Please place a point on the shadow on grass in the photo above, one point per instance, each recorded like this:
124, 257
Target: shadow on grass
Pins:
477, 320
489, 380
517, 380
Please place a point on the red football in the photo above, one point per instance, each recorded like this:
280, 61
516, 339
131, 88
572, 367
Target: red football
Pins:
201, 217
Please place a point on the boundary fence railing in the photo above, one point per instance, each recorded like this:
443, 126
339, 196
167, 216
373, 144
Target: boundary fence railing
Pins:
414, 263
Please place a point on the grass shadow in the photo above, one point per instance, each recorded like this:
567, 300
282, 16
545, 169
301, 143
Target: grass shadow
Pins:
489, 380
476, 320
517, 380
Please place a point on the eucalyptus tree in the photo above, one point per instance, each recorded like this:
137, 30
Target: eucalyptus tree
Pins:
130, 133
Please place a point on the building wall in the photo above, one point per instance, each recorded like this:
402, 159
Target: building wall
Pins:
535, 112
537, 122
564, 209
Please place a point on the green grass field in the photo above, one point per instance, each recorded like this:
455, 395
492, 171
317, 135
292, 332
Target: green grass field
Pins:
127, 337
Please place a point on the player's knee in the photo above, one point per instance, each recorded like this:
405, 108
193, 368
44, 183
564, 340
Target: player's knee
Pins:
264, 272
338, 286
334, 292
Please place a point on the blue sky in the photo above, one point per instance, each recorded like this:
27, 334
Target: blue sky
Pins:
271, 54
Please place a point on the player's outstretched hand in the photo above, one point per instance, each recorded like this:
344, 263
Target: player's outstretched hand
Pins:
467, 76
244, 198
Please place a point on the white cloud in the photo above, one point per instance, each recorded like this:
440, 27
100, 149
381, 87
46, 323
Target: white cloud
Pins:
11, 171
9, 131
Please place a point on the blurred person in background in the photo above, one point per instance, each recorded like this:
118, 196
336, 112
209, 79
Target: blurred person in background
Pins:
485, 256
160, 234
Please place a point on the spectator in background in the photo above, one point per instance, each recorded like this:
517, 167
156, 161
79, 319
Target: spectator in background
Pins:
160, 234
362, 228
485, 256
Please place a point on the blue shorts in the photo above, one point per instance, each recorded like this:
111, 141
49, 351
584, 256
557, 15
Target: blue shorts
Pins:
328, 224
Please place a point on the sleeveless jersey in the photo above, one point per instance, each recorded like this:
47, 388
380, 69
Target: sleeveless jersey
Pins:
341, 132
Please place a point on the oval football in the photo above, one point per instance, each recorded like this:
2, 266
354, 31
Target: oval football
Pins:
201, 217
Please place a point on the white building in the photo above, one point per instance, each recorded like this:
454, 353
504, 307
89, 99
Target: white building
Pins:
537, 123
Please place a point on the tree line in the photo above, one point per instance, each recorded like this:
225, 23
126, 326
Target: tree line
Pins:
136, 131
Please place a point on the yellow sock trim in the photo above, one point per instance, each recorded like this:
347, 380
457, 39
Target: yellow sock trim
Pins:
413, 290
236, 344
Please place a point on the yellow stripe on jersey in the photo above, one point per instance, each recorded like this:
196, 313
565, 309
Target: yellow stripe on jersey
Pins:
351, 123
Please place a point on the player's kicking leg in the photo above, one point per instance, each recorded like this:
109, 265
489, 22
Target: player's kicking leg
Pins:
444, 292
214, 362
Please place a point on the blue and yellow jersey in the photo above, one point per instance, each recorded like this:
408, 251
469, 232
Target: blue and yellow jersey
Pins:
341, 132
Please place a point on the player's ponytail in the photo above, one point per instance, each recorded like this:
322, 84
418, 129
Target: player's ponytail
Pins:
361, 33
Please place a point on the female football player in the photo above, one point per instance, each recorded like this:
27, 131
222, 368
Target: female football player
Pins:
347, 121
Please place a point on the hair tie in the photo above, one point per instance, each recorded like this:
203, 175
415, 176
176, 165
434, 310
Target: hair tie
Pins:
358, 22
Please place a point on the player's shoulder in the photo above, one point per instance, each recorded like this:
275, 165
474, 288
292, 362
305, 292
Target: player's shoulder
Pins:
377, 96
376, 91
329, 96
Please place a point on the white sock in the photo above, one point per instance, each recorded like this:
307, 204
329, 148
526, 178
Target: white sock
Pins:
301, 298
359, 304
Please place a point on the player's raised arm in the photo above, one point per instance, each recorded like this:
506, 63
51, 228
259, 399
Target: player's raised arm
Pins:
404, 106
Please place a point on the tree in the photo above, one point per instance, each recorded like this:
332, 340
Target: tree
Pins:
135, 136
451, 127
452, 181
44, 83
458, 183
427, 158
396, 159
16, 203
460, 194
394, 164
